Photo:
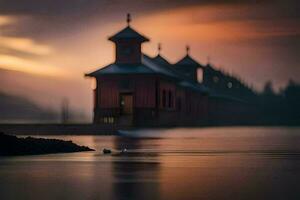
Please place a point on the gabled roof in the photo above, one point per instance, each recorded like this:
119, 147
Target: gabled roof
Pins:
128, 33
161, 60
161, 69
184, 81
194, 86
188, 61
122, 69
149, 66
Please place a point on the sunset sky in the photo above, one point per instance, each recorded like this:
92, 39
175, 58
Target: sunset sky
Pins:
63, 39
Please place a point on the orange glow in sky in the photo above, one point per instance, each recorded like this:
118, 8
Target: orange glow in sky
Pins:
236, 38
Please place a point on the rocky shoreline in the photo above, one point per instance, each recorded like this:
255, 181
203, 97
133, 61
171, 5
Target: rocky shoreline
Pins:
11, 146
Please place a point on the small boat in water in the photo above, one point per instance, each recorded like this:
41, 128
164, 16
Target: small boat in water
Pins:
109, 151
106, 151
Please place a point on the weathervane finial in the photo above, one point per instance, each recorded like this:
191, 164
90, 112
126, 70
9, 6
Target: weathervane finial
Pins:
159, 48
208, 60
128, 19
187, 49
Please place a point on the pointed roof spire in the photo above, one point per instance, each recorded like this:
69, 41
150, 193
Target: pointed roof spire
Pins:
188, 60
187, 49
128, 33
128, 20
208, 60
159, 48
160, 59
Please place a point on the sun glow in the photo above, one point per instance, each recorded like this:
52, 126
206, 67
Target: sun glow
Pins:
208, 23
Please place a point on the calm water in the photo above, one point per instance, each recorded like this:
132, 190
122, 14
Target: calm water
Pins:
213, 163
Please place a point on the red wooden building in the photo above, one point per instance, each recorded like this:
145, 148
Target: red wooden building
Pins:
137, 90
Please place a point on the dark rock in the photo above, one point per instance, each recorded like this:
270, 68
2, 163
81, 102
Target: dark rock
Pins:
12, 145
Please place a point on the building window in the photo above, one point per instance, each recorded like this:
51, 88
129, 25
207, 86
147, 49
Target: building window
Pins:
111, 120
170, 102
164, 98
200, 75
229, 85
105, 120
108, 120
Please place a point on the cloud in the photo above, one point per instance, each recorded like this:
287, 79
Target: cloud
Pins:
59, 17
4, 20
100, 7
14, 49
255, 37
11, 62
213, 23
25, 45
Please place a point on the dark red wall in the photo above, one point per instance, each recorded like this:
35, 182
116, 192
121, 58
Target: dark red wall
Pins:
196, 108
108, 95
144, 92
141, 87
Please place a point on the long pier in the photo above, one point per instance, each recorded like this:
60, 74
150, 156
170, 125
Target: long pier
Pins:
60, 129
98, 129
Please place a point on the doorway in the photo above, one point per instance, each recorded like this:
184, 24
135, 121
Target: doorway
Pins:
126, 104
126, 109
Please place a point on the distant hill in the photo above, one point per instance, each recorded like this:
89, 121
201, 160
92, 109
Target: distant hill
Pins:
45, 92
19, 109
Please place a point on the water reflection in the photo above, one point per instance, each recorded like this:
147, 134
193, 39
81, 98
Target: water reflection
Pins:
214, 163
136, 174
